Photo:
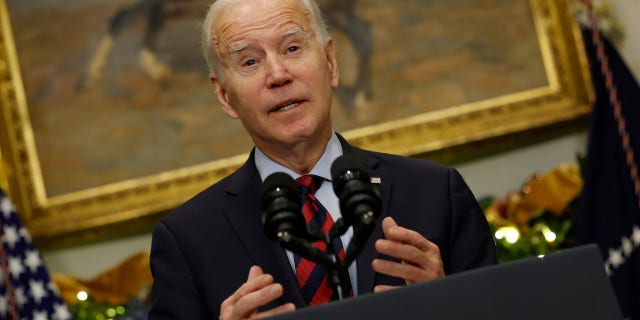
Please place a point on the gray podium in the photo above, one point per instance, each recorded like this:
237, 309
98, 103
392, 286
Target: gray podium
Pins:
569, 284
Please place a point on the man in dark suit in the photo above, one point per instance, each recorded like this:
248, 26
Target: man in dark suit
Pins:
273, 67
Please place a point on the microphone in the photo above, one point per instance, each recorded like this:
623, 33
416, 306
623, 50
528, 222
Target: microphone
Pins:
281, 207
359, 201
282, 218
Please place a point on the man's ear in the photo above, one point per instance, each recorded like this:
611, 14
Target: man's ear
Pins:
223, 97
333, 63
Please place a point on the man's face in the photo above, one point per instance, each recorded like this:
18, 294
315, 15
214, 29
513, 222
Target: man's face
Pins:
277, 75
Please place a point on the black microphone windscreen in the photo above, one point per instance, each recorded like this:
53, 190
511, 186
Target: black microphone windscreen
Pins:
281, 206
278, 180
282, 218
359, 201
344, 163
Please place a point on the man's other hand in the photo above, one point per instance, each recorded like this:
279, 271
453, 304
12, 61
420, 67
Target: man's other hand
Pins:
420, 258
256, 292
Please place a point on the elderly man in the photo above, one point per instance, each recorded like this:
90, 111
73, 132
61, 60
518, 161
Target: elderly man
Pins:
273, 67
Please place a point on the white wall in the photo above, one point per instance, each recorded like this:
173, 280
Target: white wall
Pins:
496, 176
89, 261
499, 174
627, 11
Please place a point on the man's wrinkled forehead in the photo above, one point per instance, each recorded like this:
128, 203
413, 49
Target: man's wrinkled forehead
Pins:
237, 47
239, 18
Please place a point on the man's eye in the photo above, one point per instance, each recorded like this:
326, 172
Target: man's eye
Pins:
293, 49
249, 63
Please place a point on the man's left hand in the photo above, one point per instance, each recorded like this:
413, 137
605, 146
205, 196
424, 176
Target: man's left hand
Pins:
420, 257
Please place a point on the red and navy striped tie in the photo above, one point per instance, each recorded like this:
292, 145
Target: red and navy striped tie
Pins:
312, 277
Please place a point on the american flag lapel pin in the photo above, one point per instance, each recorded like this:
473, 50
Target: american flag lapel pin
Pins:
376, 180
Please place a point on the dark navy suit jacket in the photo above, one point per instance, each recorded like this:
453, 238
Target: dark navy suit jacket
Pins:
201, 252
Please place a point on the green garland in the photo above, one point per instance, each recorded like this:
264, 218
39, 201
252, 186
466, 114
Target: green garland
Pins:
90, 309
535, 239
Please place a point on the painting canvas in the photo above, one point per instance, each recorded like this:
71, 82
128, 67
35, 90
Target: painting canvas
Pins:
114, 92
108, 120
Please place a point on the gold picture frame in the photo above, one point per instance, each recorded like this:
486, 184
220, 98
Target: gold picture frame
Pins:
134, 204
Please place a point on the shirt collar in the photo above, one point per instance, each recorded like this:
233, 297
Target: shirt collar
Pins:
322, 168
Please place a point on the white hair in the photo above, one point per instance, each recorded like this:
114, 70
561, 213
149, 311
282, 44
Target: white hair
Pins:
210, 53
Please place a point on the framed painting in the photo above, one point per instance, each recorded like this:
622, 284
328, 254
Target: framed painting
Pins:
108, 119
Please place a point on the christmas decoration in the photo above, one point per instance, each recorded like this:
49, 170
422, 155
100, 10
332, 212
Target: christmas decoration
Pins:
539, 217
118, 293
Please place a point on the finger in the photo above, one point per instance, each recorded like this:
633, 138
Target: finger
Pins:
408, 253
255, 281
257, 291
394, 232
250, 302
412, 238
410, 273
388, 222
254, 271
288, 307
382, 287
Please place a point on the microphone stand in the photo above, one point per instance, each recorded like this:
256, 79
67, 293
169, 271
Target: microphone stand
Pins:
336, 268
335, 272
302, 246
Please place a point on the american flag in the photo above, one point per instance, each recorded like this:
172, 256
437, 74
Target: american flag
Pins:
26, 291
610, 204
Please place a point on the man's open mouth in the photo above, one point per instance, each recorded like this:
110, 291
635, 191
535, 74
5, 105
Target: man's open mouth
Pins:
288, 106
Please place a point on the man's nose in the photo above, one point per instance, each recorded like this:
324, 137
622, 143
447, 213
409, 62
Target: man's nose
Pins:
278, 75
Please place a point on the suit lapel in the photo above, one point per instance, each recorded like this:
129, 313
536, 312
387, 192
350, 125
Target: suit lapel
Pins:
366, 275
244, 215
